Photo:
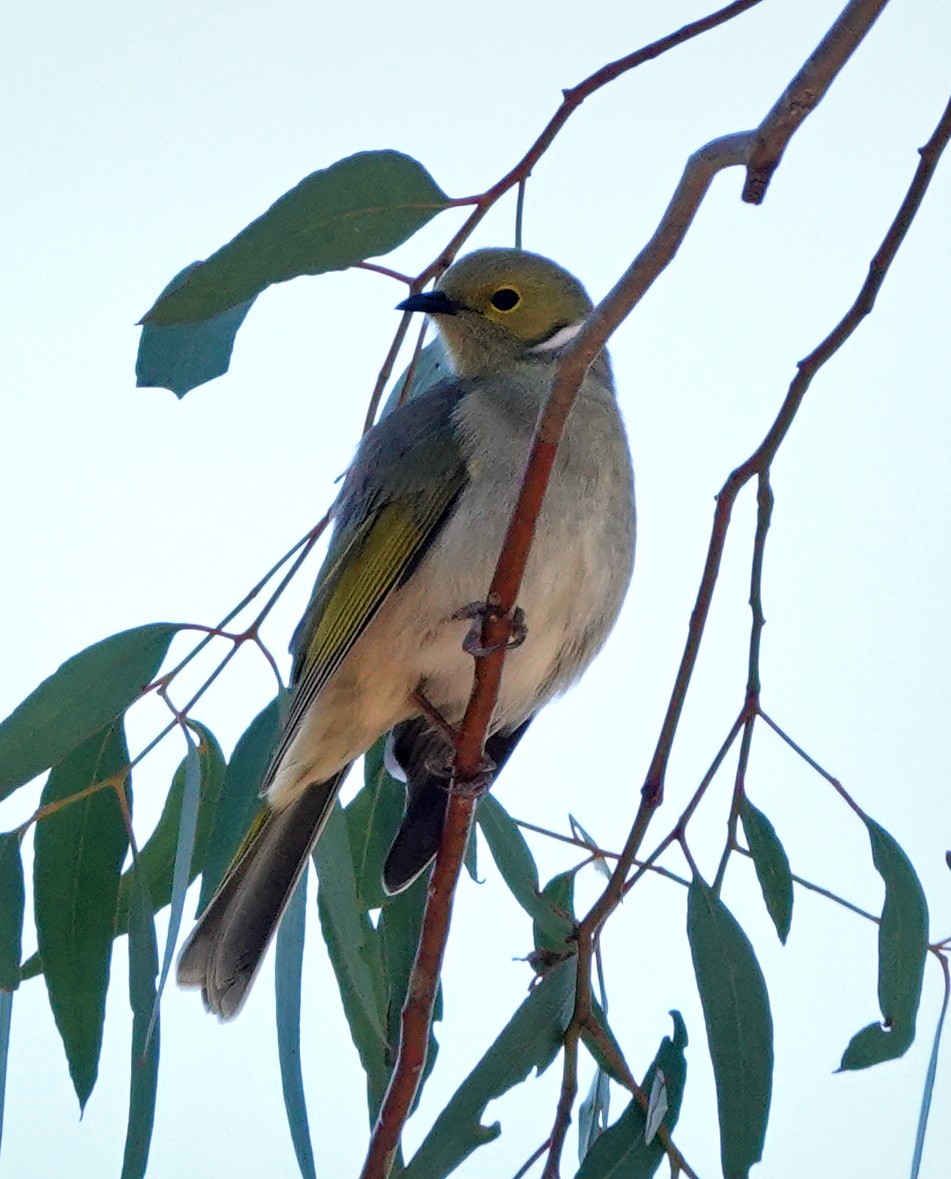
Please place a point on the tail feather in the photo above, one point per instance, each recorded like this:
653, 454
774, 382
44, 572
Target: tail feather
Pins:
225, 949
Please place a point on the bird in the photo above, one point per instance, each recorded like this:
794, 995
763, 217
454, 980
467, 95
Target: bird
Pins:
418, 527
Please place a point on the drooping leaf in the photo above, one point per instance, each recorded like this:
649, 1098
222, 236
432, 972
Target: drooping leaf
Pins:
432, 366
739, 1027
399, 928
184, 851
530, 1040
79, 851
578, 831
593, 1113
288, 972
602, 1058
157, 857
373, 818
183, 356
471, 857
771, 864
143, 1086
360, 207
83, 696
238, 800
353, 946
554, 930
623, 1151
6, 1015
516, 864
902, 949
12, 899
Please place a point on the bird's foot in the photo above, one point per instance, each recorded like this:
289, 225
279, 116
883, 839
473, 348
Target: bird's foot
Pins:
442, 766
491, 611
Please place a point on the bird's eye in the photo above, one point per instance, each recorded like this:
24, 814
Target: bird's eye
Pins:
505, 299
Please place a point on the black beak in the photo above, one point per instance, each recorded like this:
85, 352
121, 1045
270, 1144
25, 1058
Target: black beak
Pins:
432, 302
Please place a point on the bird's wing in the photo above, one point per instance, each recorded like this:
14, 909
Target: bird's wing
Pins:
405, 479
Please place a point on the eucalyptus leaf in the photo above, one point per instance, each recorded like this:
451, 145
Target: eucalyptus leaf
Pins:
79, 699
771, 864
401, 921
228, 818
554, 929
373, 818
79, 851
360, 207
158, 855
143, 1085
12, 900
739, 1027
517, 866
531, 1039
623, 1150
184, 851
288, 972
354, 949
6, 1016
902, 949
183, 356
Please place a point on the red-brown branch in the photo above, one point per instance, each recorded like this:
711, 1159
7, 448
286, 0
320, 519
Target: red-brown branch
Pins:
703, 165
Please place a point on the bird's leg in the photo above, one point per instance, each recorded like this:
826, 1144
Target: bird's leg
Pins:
491, 609
434, 716
443, 766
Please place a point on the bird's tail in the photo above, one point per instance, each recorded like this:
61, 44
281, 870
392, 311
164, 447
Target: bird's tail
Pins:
225, 949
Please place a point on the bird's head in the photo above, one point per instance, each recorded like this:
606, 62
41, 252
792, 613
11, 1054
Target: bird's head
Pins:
496, 306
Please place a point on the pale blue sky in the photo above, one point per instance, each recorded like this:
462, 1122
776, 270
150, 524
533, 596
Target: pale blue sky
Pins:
137, 139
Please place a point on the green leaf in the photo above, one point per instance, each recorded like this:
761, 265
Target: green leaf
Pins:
354, 949
6, 1014
399, 928
12, 899
554, 930
622, 1151
771, 864
157, 857
83, 696
78, 858
184, 356
373, 818
516, 864
471, 857
593, 1113
358, 208
739, 1027
432, 366
577, 831
531, 1039
143, 1086
184, 853
230, 818
601, 1058
288, 971
902, 949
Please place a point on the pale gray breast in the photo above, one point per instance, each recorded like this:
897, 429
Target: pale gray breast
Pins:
583, 551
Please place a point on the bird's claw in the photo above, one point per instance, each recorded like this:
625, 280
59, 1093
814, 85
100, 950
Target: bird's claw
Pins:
491, 610
472, 787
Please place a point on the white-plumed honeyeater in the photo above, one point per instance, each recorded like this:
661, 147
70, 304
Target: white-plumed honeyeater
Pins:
419, 525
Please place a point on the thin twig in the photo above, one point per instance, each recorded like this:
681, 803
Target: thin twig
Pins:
566, 1101
531, 1160
805, 92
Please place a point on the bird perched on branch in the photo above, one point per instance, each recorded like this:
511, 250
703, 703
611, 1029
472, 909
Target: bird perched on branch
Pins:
419, 525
